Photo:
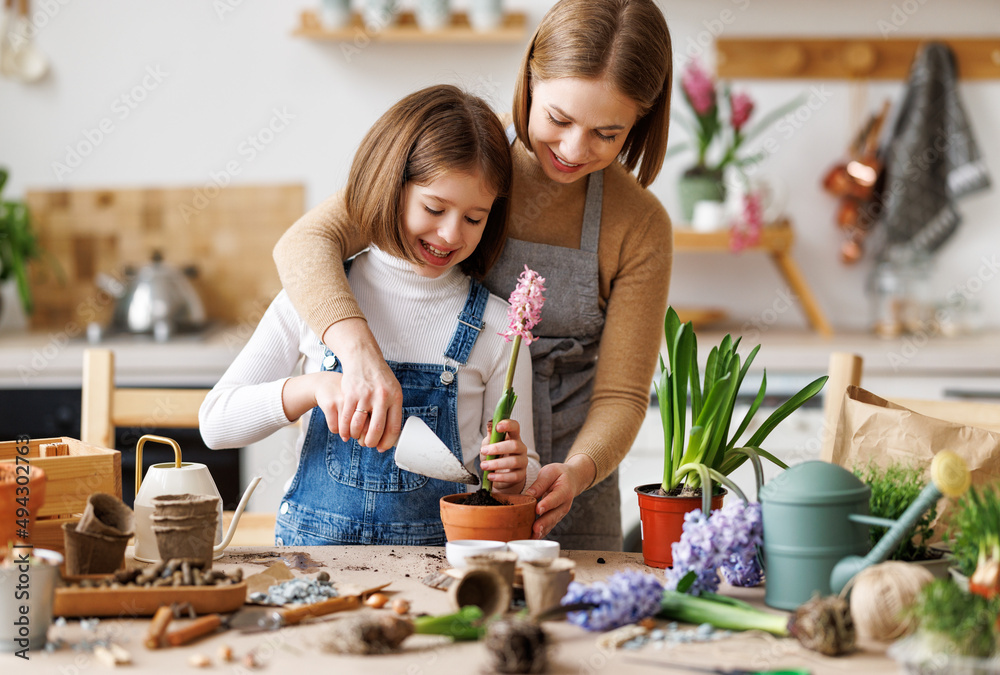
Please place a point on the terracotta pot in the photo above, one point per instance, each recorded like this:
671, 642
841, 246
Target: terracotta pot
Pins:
662, 520
496, 523
12, 477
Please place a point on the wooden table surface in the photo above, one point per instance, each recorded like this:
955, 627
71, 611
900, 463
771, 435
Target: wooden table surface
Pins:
297, 649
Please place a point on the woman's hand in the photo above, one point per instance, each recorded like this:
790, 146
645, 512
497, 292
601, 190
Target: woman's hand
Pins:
508, 468
371, 405
556, 487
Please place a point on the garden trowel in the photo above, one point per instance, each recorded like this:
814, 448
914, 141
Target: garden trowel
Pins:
419, 450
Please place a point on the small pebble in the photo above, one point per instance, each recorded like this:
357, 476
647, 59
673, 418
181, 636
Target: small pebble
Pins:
323, 576
600, 561
657, 635
199, 661
258, 597
705, 629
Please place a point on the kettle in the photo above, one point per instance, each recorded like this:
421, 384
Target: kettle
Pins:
171, 478
816, 520
157, 299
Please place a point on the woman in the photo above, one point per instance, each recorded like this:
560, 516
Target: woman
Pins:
591, 102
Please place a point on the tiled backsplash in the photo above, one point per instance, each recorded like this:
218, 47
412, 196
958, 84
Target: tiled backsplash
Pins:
227, 234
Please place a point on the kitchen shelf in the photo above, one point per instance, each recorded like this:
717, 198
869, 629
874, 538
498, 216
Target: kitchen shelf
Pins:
513, 30
776, 240
874, 58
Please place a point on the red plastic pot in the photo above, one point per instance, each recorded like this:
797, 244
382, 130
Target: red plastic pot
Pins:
662, 519
497, 523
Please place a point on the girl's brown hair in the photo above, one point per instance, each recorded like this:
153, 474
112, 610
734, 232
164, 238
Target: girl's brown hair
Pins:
431, 132
626, 42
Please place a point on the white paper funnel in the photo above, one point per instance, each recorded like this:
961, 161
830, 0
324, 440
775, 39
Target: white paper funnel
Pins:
419, 450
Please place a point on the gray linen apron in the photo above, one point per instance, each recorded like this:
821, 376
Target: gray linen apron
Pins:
564, 359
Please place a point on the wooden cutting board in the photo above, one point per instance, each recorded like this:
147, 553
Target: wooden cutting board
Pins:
227, 234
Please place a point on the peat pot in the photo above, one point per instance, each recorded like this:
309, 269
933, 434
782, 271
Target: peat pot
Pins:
662, 521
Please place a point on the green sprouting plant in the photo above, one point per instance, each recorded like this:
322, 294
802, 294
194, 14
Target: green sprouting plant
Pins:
894, 488
708, 452
974, 528
962, 623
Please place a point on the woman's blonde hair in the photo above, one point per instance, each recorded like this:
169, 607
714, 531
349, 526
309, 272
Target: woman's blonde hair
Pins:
431, 132
626, 42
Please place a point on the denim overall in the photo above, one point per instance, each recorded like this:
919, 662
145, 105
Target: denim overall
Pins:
344, 493
564, 360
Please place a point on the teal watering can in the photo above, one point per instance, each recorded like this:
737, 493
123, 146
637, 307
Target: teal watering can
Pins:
816, 523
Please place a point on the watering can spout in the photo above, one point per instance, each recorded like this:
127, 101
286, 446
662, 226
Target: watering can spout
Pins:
949, 476
236, 516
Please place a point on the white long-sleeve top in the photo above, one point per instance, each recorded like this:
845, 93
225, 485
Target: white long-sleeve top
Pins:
412, 318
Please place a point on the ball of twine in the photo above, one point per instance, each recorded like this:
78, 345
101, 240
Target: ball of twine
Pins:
879, 596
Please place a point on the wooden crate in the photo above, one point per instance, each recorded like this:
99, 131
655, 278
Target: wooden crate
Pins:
70, 480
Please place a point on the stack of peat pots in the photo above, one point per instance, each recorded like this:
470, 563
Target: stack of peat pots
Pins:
185, 526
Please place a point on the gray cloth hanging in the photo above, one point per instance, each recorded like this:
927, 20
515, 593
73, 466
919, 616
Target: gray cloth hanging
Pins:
931, 161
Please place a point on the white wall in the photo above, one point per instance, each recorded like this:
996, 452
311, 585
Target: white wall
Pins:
225, 70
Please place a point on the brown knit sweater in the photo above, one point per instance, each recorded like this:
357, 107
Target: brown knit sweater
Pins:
634, 252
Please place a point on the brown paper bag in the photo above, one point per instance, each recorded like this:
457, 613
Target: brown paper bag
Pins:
872, 429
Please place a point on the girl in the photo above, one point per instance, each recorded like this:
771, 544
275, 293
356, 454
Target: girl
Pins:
428, 188
591, 105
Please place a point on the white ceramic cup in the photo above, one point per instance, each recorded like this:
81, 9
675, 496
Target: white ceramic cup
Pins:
485, 15
433, 14
709, 216
457, 551
533, 550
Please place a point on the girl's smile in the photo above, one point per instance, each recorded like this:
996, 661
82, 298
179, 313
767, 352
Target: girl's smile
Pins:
443, 220
577, 126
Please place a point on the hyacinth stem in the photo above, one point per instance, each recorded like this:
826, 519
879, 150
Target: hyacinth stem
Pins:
504, 406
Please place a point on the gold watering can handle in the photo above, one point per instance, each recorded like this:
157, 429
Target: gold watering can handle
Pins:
138, 454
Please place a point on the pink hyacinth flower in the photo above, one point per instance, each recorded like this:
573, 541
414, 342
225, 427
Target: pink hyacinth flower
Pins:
746, 232
699, 88
742, 107
525, 306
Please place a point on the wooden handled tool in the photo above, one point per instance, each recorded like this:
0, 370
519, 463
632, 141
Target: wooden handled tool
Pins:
158, 627
195, 629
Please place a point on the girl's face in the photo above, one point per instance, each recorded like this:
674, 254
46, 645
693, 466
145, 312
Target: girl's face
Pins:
443, 220
577, 126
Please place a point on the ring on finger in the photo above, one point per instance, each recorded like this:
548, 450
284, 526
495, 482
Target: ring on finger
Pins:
362, 411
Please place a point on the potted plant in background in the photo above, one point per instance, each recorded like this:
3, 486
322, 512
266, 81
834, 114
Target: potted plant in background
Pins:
696, 458
705, 181
18, 246
893, 489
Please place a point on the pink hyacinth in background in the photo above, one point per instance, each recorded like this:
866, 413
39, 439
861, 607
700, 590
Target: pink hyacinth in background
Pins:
525, 306
746, 231
741, 106
699, 88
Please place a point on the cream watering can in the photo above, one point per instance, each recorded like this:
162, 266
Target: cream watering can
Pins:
174, 478
816, 526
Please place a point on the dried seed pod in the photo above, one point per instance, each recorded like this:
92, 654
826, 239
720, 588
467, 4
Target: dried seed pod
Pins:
400, 606
377, 600
824, 625
225, 653
517, 646
251, 661
199, 661
367, 634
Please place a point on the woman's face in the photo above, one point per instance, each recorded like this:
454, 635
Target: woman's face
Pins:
443, 220
578, 126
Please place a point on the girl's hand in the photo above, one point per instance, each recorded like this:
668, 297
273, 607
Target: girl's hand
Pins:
371, 406
508, 468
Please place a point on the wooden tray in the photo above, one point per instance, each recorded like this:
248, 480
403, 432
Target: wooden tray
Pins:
132, 601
